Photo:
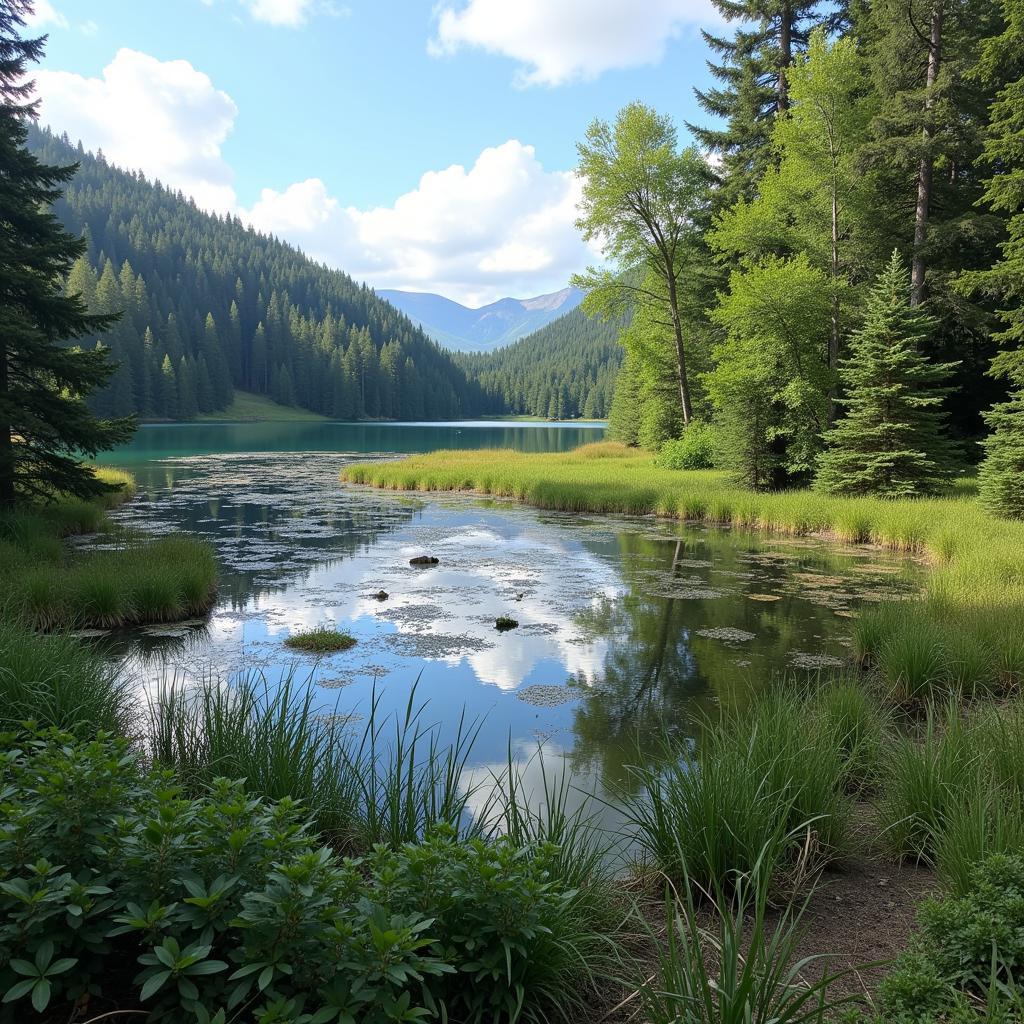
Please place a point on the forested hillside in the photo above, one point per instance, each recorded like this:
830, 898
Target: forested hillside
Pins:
565, 370
210, 305
837, 296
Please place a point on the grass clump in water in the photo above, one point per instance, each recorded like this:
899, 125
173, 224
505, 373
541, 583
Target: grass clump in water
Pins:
320, 640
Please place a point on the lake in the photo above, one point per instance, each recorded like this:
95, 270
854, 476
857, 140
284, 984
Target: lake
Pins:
628, 627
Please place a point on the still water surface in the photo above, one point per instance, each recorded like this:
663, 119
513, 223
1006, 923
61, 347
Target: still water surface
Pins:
627, 626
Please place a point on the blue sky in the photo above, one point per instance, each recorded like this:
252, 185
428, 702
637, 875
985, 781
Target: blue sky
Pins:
414, 145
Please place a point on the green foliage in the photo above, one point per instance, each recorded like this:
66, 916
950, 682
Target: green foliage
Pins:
644, 200
891, 441
966, 960
55, 681
770, 382
767, 788
1001, 476
226, 902
45, 378
694, 450
320, 640
741, 967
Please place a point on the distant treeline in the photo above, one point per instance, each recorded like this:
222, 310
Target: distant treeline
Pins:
211, 305
566, 369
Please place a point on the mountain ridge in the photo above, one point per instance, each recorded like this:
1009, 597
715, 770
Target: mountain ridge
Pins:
486, 328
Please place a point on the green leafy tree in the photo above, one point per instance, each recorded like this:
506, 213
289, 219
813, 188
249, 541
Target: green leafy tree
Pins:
892, 442
45, 424
816, 199
644, 199
770, 383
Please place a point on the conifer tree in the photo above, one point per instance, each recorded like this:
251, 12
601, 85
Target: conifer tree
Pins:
1001, 477
753, 87
45, 425
892, 442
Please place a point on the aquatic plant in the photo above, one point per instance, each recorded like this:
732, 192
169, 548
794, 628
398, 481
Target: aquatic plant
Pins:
320, 640
57, 681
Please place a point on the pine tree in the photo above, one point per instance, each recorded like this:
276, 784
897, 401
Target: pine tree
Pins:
892, 442
45, 425
1001, 477
753, 87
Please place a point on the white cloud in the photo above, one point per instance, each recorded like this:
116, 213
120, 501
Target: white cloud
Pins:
163, 117
287, 13
43, 14
504, 226
557, 41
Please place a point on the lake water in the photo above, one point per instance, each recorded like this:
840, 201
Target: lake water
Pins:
627, 626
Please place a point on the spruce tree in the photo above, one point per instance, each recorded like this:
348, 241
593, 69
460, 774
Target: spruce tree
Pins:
752, 87
45, 425
892, 442
1001, 478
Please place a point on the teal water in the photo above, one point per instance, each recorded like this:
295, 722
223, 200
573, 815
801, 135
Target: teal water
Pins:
627, 626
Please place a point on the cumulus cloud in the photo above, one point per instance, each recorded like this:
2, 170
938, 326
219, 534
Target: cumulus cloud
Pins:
163, 117
557, 41
503, 226
44, 14
287, 13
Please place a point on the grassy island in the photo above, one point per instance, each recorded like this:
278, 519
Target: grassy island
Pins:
964, 632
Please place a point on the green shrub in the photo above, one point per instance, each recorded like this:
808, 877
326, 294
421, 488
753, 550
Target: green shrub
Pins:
694, 450
965, 962
115, 883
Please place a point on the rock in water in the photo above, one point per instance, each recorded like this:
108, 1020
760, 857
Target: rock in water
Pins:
423, 560
382, 595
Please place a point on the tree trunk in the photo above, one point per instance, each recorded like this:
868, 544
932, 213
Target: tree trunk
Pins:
924, 171
6, 441
833, 329
677, 331
786, 58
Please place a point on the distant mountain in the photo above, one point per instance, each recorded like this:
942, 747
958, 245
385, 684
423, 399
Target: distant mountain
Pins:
481, 330
565, 370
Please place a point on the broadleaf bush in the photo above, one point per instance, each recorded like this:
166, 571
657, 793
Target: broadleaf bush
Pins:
117, 890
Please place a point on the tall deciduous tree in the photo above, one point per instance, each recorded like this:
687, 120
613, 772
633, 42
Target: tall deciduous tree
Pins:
644, 200
892, 440
815, 200
45, 425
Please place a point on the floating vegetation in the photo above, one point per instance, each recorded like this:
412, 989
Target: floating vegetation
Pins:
424, 560
764, 597
801, 659
547, 696
503, 623
321, 640
726, 633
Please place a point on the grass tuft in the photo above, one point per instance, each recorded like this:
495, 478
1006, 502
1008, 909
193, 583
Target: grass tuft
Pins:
320, 640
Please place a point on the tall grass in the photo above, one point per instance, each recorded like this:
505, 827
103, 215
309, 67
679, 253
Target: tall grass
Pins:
739, 968
55, 681
388, 785
772, 778
974, 592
